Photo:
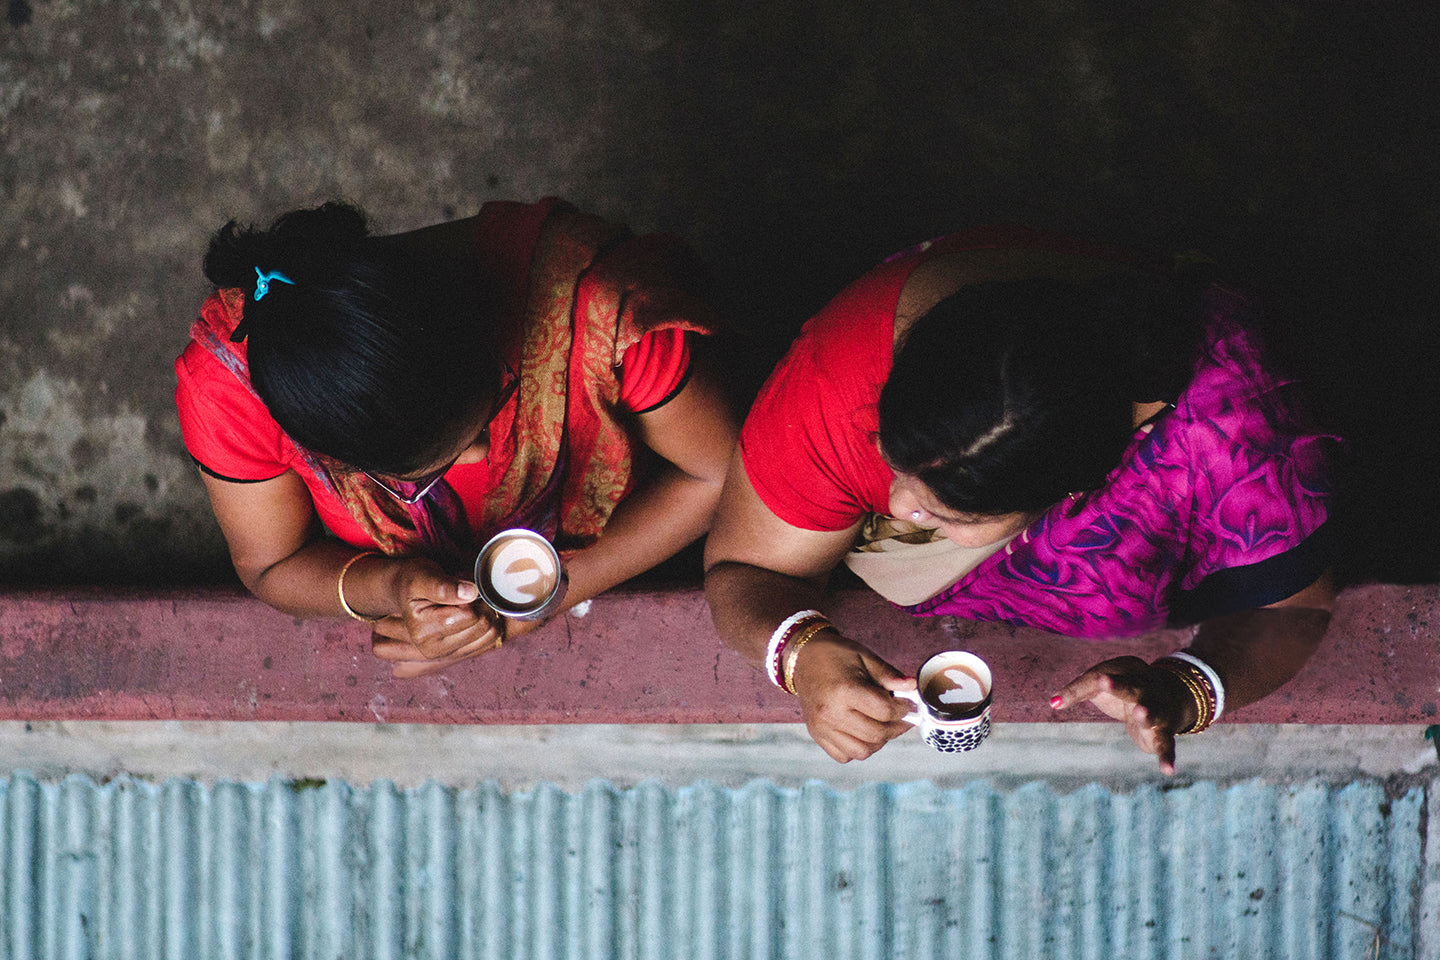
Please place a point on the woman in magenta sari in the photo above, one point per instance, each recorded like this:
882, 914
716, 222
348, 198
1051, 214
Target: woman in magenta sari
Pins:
1011, 426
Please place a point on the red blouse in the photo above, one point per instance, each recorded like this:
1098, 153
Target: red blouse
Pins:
809, 441
808, 444
231, 434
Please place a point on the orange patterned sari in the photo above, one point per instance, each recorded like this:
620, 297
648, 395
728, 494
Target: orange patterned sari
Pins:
577, 292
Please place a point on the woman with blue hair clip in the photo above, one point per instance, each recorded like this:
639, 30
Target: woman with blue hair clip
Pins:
367, 410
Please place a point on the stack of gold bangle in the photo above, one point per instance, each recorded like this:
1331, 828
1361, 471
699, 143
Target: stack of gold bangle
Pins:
793, 645
780, 639
1198, 685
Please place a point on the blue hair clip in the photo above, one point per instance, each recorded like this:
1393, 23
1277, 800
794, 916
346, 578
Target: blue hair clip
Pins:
262, 281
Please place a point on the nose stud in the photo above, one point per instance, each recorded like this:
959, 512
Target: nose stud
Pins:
914, 514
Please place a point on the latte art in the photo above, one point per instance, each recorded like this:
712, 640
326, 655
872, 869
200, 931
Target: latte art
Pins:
966, 688
954, 690
521, 572
519, 575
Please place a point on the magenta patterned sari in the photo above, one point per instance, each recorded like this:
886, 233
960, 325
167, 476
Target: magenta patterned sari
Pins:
1218, 505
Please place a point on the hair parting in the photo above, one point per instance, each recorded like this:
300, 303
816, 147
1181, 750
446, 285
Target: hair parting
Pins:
1008, 397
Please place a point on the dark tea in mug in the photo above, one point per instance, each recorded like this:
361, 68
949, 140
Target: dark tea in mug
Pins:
953, 689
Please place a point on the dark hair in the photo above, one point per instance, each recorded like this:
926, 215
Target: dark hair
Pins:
1006, 397
373, 356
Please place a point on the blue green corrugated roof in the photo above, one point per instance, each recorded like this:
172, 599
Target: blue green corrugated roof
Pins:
330, 870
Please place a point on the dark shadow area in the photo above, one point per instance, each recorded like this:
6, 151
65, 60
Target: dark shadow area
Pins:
795, 145
1296, 149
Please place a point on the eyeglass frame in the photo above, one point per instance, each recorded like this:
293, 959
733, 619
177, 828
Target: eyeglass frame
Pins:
426, 482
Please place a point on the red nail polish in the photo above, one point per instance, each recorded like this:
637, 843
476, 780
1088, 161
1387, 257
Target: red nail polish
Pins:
1055, 702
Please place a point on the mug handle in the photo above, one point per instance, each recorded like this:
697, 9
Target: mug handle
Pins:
914, 719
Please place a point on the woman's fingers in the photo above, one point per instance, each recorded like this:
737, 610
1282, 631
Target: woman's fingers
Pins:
1130, 690
887, 676
856, 735
490, 640
428, 583
438, 610
1152, 735
437, 630
441, 623
403, 667
390, 628
393, 649
441, 635
1104, 679
390, 643
870, 729
849, 733
403, 645
844, 747
845, 697
1166, 752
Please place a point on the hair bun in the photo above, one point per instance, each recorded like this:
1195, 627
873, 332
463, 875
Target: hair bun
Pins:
315, 246
309, 246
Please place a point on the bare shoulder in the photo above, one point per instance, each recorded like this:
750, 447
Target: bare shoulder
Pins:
746, 531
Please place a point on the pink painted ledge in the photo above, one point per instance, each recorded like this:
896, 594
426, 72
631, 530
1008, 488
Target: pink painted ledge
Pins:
637, 657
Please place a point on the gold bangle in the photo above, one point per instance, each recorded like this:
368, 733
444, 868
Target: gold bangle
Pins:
1208, 696
1195, 695
1190, 686
1204, 712
781, 637
793, 649
340, 587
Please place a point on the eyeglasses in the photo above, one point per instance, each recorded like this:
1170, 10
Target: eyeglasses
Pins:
412, 490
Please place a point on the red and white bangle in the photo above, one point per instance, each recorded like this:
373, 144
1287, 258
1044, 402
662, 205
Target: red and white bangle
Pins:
1216, 687
775, 651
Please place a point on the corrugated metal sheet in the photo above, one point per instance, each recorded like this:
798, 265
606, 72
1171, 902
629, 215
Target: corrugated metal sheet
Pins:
279, 870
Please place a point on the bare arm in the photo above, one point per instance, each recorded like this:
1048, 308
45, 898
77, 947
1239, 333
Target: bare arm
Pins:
759, 570
1258, 651
280, 554
1255, 652
694, 432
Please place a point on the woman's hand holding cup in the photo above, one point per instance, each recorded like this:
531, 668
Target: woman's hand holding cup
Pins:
439, 623
846, 696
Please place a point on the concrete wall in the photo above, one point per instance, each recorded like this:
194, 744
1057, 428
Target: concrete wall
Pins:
795, 143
